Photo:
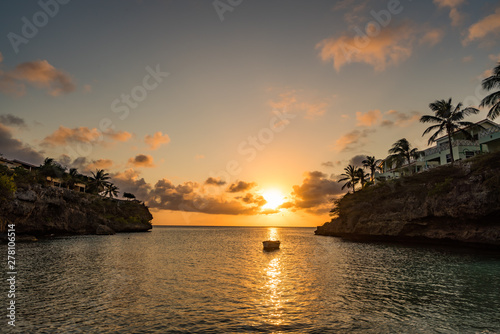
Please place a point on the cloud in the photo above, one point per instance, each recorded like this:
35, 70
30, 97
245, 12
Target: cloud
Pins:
455, 16
368, 118
39, 74
314, 194
432, 37
121, 136
215, 181
11, 120
241, 186
63, 136
330, 163
494, 57
390, 47
351, 140
299, 101
141, 160
130, 181
489, 26
187, 197
467, 59
156, 140
99, 164
15, 149
199, 157
357, 160
400, 119
87, 88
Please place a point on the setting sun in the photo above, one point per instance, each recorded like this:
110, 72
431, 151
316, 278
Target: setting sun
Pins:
274, 199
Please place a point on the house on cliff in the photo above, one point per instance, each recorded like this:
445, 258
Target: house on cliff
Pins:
51, 181
485, 138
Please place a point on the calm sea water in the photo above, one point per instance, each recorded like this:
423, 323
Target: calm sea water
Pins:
219, 280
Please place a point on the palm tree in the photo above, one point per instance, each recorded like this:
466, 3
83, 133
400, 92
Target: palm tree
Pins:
402, 151
98, 181
51, 169
371, 163
351, 176
449, 119
362, 177
111, 190
493, 99
72, 177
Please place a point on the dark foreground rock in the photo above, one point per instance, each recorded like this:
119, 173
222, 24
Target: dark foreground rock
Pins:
457, 204
43, 211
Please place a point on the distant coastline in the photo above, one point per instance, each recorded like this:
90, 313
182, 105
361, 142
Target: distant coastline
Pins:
455, 204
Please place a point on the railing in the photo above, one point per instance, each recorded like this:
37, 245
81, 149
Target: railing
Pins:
487, 132
444, 147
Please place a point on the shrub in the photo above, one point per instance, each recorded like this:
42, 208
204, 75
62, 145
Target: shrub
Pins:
7, 187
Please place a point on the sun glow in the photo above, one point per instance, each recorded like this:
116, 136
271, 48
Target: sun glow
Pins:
274, 199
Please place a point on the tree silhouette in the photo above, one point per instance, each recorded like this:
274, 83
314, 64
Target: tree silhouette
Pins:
449, 119
493, 99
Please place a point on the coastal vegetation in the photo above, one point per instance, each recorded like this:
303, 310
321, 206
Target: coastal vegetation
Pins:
456, 202
49, 200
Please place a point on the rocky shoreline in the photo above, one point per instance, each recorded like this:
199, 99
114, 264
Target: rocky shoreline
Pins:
454, 205
40, 211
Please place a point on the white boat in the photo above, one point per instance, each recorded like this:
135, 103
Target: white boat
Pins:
271, 244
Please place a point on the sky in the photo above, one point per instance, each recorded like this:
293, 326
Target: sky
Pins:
233, 112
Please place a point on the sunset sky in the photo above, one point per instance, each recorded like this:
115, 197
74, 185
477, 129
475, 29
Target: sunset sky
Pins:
206, 109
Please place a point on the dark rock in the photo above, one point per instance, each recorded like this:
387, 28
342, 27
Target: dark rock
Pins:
104, 230
457, 204
61, 211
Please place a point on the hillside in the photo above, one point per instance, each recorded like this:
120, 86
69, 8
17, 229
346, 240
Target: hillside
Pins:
39, 211
451, 204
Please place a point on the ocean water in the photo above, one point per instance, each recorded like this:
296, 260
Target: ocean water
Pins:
219, 280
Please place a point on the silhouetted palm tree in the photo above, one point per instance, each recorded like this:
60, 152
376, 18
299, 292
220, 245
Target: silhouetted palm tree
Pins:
402, 151
51, 169
98, 181
362, 176
371, 163
493, 99
449, 119
72, 177
351, 176
111, 190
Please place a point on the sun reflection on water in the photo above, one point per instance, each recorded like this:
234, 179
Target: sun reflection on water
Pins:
273, 233
273, 290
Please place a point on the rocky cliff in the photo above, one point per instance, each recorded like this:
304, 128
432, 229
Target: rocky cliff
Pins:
452, 204
39, 211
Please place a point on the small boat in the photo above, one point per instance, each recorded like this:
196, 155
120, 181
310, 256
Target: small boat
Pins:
271, 244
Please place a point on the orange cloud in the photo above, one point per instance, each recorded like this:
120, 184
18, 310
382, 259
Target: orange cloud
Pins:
432, 37
488, 26
352, 139
455, 16
64, 136
314, 194
141, 160
99, 164
391, 46
119, 136
298, 101
38, 73
368, 118
156, 140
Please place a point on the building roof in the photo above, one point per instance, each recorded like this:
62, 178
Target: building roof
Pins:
477, 123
